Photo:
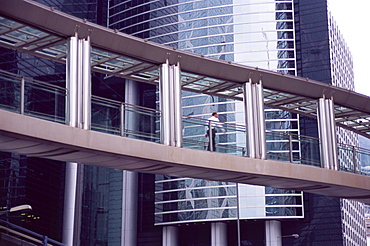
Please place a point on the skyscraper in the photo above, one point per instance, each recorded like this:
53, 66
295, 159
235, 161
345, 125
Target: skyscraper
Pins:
291, 37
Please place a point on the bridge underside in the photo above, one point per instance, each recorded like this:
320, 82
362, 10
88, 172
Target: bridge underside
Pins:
63, 143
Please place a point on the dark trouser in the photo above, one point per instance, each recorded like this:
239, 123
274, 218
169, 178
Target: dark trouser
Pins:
213, 140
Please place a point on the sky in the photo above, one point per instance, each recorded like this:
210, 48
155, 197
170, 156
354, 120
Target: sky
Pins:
353, 20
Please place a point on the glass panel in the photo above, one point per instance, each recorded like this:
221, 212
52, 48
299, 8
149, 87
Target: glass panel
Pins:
10, 92
283, 211
45, 101
41, 100
139, 122
105, 116
226, 136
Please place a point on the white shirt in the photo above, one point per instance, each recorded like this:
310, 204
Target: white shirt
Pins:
213, 118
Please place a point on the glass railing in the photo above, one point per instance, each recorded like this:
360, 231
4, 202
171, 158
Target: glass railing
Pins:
229, 137
42, 100
127, 120
354, 159
285, 146
31, 97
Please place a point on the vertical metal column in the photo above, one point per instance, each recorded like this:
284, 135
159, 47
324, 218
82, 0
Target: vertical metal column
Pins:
255, 119
122, 120
327, 134
164, 92
170, 236
130, 121
170, 104
129, 208
131, 116
218, 234
71, 80
273, 233
71, 167
171, 124
69, 203
177, 99
261, 125
86, 83
78, 83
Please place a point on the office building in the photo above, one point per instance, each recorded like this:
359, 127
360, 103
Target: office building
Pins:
291, 37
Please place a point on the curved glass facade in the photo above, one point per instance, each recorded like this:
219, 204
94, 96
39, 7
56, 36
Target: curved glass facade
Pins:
190, 200
185, 200
253, 32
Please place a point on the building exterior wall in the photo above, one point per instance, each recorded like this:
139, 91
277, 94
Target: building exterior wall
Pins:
33, 181
324, 56
236, 31
42, 181
294, 37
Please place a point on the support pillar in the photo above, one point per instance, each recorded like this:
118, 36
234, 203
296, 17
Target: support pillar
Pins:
327, 134
78, 83
130, 179
170, 236
69, 202
255, 119
131, 117
218, 234
170, 104
129, 208
273, 233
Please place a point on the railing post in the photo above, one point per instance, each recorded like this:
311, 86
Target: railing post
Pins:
45, 240
22, 96
290, 147
354, 159
122, 125
210, 136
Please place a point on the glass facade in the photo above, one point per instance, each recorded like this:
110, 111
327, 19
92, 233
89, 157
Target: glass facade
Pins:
184, 200
237, 31
323, 55
33, 181
40, 182
290, 37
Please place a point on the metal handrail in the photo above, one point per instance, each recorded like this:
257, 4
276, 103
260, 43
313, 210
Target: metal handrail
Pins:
286, 137
28, 234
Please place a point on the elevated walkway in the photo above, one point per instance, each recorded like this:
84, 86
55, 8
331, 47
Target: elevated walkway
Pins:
55, 141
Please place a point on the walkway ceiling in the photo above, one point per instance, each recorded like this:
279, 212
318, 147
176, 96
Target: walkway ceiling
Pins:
32, 28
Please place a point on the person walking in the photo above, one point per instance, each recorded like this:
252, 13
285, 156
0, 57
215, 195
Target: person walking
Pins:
211, 132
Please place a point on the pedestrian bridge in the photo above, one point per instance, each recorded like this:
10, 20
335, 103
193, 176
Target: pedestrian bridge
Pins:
55, 141
35, 29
